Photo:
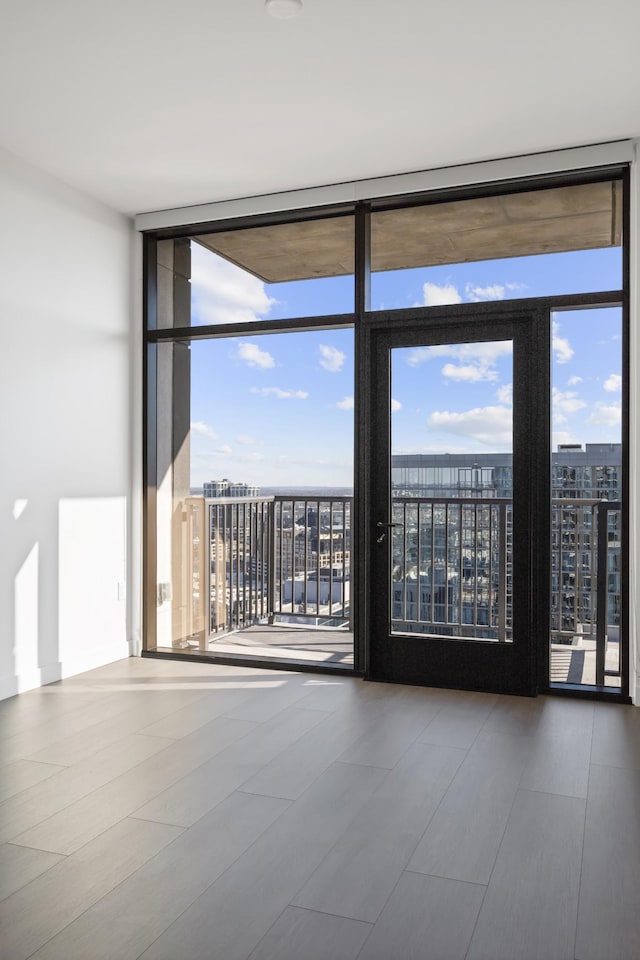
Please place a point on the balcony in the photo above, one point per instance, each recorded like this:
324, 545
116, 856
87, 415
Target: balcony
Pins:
277, 580
270, 577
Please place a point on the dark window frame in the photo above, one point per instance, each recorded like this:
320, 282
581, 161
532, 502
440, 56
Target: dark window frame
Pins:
363, 320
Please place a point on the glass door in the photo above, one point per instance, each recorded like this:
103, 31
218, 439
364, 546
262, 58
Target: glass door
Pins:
458, 529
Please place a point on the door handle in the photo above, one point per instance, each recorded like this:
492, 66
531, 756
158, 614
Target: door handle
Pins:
381, 523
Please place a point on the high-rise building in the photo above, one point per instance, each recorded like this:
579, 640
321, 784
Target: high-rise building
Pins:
447, 559
226, 488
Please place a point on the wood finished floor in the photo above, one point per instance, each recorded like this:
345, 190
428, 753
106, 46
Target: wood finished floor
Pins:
174, 811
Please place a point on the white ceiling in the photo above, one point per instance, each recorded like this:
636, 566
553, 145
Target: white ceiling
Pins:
150, 104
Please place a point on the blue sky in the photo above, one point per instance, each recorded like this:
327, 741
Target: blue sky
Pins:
277, 410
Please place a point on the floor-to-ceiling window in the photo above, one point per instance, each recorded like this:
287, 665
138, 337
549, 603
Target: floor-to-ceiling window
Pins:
274, 530
251, 442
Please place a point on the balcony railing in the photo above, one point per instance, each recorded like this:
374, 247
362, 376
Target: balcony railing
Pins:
287, 560
274, 560
586, 577
452, 567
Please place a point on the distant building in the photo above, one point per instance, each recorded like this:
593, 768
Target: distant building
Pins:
226, 488
593, 472
428, 584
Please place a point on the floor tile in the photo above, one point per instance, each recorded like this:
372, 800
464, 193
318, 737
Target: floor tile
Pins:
608, 914
191, 717
296, 768
197, 792
459, 722
37, 708
54, 795
616, 736
559, 764
22, 774
21, 865
388, 738
515, 715
361, 870
58, 726
263, 704
127, 920
81, 821
462, 839
35, 913
426, 918
298, 934
83, 743
271, 871
530, 908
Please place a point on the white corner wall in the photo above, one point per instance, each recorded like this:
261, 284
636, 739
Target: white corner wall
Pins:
66, 355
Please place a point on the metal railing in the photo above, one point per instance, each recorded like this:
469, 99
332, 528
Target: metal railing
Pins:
312, 560
451, 571
288, 560
586, 577
279, 560
451, 567
240, 553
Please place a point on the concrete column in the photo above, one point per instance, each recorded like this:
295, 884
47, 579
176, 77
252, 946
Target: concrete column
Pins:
174, 527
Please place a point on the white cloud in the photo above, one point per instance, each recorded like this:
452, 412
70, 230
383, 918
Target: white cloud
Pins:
471, 373
396, 405
476, 361
613, 384
222, 292
222, 451
485, 353
495, 291
331, 358
561, 346
564, 403
487, 425
281, 394
609, 415
505, 394
203, 430
436, 295
345, 404
245, 439
254, 356
574, 381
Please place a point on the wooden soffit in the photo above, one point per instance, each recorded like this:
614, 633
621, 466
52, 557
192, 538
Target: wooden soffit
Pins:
556, 220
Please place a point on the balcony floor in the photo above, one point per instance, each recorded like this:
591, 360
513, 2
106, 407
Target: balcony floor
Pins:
577, 663
309, 645
172, 810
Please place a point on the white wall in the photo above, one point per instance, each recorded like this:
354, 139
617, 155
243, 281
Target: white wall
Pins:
66, 360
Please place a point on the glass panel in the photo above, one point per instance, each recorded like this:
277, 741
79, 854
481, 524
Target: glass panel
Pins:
262, 273
539, 243
586, 490
451, 490
254, 495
